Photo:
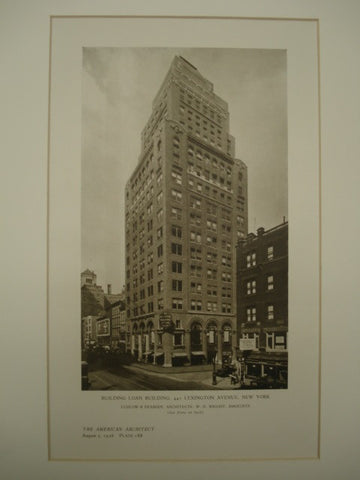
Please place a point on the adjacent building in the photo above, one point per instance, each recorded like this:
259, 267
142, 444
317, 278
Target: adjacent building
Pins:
118, 325
92, 295
111, 327
262, 297
99, 311
103, 331
186, 208
88, 331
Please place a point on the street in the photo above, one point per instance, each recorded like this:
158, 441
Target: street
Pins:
131, 378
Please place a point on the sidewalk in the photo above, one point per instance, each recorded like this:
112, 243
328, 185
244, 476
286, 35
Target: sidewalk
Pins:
194, 373
224, 383
172, 370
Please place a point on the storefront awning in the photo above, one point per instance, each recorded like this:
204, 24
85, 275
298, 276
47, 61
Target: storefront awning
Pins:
149, 352
274, 355
281, 328
275, 359
179, 354
157, 354
198, 353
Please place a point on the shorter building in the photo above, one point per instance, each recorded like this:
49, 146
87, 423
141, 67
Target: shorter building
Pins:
88, 277
103, 331
100, 312
110, 299
92, 295
262, 302
117, 315
88, 331
108, 329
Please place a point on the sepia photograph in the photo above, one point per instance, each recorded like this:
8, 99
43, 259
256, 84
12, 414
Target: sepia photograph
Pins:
184, 163
184, 219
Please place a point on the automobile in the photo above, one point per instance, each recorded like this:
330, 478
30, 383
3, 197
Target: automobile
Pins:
85, 384
268, 382
225, 370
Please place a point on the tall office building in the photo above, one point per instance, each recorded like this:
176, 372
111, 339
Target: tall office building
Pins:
186, 207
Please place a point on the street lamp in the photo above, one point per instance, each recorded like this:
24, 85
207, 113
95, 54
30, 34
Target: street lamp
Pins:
214, 368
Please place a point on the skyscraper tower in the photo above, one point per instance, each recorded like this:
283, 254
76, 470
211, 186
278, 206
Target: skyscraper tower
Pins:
186, 207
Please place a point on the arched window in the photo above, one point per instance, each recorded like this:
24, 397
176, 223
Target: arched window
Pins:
151, 333
227, 334
196, 330
211, 333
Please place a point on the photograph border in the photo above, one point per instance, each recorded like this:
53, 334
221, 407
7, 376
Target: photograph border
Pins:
179, 17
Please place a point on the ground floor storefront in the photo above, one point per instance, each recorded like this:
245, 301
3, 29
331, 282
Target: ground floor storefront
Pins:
267, 364
181, 340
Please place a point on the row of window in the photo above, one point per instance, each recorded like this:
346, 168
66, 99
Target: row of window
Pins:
206, 175
195, 100
251, 285
152, 124
210, 307
156, 114
177, 285
216, 193
226, 292
194, 116
196, 218
201, 131
200, 156
274, 340
143, 178
251, 257
251, 313
176, 267
142, 196
177, 304
176, 249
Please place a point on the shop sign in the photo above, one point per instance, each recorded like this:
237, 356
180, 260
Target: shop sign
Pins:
166, 322
103, 327
247, 343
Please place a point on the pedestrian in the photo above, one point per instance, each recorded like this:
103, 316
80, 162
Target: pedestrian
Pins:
242, 370
238, 367
234, 378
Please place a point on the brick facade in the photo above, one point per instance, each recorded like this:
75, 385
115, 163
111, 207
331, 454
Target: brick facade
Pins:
262, 298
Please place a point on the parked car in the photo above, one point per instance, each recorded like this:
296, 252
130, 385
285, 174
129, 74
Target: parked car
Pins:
85, 384
268, 382
225, 370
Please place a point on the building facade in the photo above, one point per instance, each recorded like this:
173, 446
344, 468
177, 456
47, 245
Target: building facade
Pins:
88, 277
186, 207
103, 331
107, 330
92, 295
118, 325
97, 311
262, 296
88, 331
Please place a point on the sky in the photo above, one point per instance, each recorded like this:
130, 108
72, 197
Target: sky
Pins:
118, 87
